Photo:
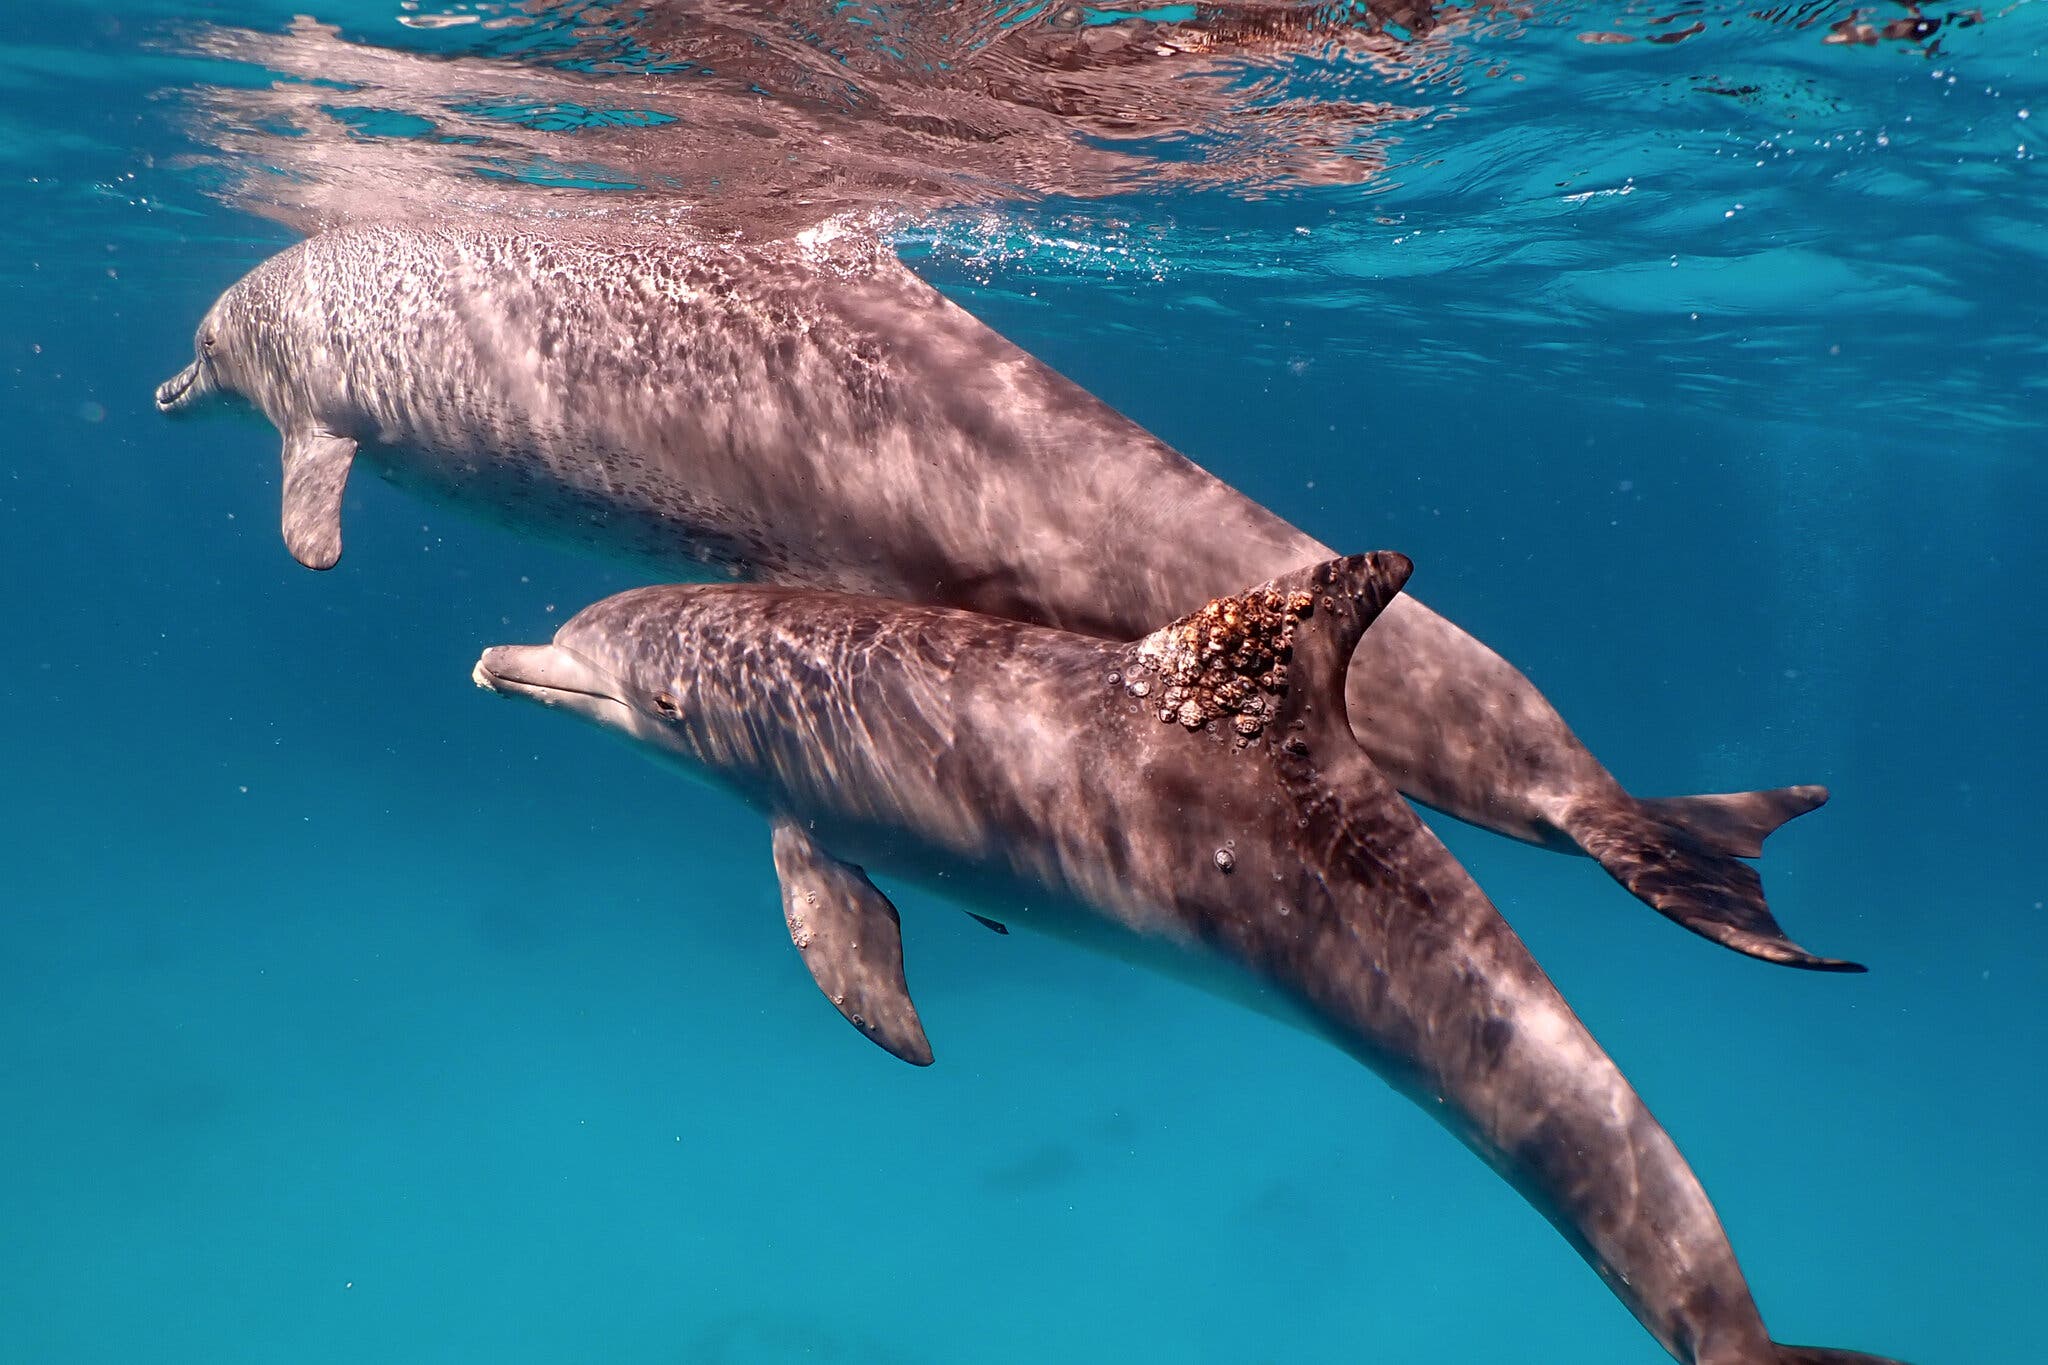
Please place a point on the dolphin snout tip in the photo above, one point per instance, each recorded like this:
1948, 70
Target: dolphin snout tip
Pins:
484, 675
179, 391
542, 673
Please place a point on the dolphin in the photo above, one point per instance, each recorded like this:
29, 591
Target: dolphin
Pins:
1194, 801
811, 413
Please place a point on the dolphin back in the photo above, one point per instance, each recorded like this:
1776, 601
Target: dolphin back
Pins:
1401, 960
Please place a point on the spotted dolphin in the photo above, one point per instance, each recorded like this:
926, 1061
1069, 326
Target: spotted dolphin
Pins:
1195, 801
812, 413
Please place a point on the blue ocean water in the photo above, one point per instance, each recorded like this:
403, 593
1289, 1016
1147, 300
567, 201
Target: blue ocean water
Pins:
350, 1016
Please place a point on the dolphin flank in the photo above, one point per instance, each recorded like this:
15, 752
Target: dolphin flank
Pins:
1195, 801
812, 413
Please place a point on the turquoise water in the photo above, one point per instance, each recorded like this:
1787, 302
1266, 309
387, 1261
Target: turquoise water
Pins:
350, 1016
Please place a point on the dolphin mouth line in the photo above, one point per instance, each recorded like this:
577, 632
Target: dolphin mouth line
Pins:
506, 685
543, 673
173, 392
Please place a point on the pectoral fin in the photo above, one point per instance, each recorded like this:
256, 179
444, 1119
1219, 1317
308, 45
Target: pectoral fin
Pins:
316, 467
850, 938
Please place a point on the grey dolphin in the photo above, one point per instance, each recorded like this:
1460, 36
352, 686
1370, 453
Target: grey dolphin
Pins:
816, 415
1194, 800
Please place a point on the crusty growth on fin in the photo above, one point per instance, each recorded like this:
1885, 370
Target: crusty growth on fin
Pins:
851, 940
1691, 882
1736, 822
1235, 660
1349, 814
1347, 595
1228, 660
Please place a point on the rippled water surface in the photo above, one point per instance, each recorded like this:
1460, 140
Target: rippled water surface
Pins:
1696, 354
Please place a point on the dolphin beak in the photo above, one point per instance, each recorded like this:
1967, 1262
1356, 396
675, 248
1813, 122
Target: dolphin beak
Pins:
182, 389
548, 674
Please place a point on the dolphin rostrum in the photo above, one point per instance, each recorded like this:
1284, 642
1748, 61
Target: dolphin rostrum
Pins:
1194, 800
812, 413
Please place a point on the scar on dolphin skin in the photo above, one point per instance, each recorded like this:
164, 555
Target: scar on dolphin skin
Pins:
820, 417
1045, 776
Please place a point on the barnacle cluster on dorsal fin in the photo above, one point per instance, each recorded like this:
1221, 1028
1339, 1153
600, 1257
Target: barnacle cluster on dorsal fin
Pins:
1227, 661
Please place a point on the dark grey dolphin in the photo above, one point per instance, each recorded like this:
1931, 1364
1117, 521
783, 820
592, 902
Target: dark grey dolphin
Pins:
814, 414
1194, 800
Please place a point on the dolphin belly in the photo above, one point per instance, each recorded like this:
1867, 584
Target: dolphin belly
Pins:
528, 492
1023, 893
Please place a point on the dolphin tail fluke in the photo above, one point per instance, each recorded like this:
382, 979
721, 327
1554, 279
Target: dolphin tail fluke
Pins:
1736, 822
1821, 1355
1683, 856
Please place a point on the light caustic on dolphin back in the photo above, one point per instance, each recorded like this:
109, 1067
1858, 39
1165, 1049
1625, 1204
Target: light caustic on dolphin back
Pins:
768, 412
1086, 788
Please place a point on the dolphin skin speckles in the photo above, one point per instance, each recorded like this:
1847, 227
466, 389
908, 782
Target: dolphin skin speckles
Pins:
816, 415
1194, 801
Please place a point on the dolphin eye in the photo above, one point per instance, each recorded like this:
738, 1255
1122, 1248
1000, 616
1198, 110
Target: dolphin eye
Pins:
206, 341
668, 706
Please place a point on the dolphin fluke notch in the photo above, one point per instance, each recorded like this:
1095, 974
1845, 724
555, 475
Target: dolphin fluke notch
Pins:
1690, 868
852, 941
1821, 1355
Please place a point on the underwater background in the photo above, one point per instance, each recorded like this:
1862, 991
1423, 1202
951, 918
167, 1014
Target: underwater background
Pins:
346, 1015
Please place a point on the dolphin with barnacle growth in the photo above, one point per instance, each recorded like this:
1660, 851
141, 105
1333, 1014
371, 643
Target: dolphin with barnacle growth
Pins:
811, 413
1194, 801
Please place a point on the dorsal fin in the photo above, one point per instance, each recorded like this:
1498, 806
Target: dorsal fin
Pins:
1271, 656
1346, 596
